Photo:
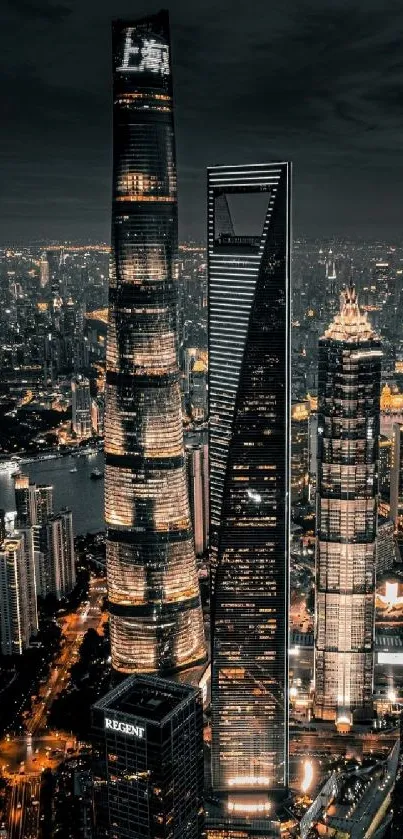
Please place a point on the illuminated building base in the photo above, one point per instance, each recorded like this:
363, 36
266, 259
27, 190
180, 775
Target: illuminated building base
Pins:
363, 713
344, 720
243, 816
142, 646
344, 723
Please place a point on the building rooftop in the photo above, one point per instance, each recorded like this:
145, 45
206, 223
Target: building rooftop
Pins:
11, 544
147, 697
391, 399
350, 325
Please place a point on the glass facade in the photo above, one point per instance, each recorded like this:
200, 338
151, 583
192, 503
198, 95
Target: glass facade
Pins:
396, 478
249, 405
15, 627
148, 780
300, 414
156, 619
347, 493
60, 556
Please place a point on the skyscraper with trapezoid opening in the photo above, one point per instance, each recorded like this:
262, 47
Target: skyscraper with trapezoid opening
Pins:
249, 405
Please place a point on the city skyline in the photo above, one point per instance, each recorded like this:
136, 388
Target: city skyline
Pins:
334, 110
200, 445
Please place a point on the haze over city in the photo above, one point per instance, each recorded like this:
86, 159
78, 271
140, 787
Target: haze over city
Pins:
316, 83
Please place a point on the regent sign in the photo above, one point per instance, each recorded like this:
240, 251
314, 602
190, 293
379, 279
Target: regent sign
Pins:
124, 728
144, 55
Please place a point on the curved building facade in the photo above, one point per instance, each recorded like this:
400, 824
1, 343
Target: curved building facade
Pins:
156, 618
347, 488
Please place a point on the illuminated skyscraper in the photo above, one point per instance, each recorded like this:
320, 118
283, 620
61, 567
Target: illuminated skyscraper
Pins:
149, 783
347, 488
25, 501
60, 557
249, 402
34, 502
156, 619
15, 627
44, 270
386, 445
81, 407
198, 482
299, 451
396, 478
28, 549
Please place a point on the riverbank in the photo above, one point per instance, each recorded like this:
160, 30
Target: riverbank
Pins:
70, 476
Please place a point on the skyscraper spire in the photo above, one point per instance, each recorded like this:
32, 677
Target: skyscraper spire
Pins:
156, 618
350, 323
346, 521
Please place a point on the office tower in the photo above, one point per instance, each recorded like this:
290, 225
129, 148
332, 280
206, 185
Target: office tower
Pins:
249, 405
396, 478
14, 614
382, 281
44, 503
41, 576
189, 357
25, 501
197, 467
44, 270
34, 503
2, 525
299, 452
331, 283
385, 465
198, 390
81, 406
313, 446
28, 550
386, 548
156, 622
60, 558
97, 415
69, 332
391, 409
150, 785
347, 489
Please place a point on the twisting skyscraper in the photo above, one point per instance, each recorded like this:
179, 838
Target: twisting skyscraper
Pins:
155, 613
347, 486
249, 402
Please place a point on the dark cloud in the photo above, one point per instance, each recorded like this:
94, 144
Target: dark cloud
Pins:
44, 10
318, 83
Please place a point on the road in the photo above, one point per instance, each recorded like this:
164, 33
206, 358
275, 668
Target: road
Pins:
23, 758
23, 809
73, 626
328, 742
300, 619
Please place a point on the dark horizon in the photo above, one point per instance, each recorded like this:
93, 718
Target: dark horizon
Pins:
322, 87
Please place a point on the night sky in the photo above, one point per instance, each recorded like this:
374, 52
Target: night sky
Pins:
319, 82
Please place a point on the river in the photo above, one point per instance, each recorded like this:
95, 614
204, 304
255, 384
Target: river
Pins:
75, 490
